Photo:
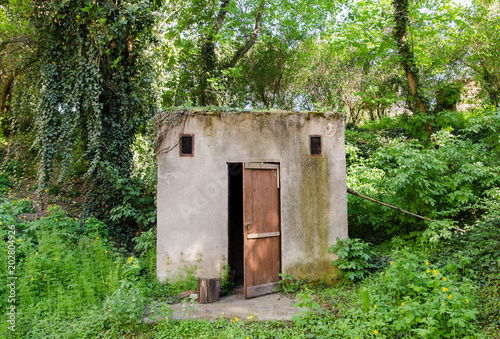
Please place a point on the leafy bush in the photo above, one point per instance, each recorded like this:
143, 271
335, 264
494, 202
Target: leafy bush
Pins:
355, 258
65, 269
452, 179
411, 298
125, 307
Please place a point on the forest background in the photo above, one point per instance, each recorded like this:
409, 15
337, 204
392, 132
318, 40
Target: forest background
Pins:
85, 83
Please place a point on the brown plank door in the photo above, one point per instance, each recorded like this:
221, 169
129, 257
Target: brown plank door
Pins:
261, 223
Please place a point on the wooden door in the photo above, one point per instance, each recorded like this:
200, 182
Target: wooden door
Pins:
261, 223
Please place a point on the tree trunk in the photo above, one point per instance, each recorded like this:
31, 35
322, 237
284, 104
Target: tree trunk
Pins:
208, 70
490, 85
244, 49
210, 67
6, 89
408, 59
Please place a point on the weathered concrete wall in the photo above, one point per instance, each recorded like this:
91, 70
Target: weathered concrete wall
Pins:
193, 191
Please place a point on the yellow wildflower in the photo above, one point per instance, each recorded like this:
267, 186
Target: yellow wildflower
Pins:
449, 297
36, 253
444, 279
375, 331
32, 278
97, 238
445, 289
427, 263
435, 272
390, 262
56, 259
467, 300
375, 306
402, 304
428, 271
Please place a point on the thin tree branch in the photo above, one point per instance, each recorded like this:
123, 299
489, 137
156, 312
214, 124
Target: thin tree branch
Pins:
242, 51
222, 15
350, 191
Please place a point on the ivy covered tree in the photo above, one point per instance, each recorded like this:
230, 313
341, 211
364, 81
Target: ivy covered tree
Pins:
91, 91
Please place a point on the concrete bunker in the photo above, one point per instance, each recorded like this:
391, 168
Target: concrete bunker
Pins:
262, 192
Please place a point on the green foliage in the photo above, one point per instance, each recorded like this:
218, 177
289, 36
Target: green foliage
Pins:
474, 254
125, 307
89, 93
355, 258
411, 298
72, 282
5, 183
226, 282
452, 180
93, 290
288, 285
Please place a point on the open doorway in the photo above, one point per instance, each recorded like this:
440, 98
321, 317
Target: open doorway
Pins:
235, 224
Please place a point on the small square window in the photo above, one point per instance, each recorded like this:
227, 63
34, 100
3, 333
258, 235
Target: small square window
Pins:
315, 145
186, 145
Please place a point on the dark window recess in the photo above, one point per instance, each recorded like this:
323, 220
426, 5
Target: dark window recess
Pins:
315, 145
187, 146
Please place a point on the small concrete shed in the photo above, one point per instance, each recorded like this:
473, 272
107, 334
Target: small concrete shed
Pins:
262, 192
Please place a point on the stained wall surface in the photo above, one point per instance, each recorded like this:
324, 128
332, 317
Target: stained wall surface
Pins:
193, 191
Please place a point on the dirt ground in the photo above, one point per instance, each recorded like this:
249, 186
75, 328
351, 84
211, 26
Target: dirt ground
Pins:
268, 307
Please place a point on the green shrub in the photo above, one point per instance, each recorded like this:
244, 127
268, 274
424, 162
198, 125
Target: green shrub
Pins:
453, 179
421, 299
65, 269
412, 298
355, 258
125, 307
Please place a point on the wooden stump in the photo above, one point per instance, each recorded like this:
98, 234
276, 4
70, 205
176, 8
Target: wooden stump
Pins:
208, 290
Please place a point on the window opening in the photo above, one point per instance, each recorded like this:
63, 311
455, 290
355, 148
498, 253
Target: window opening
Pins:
315, 141
186, 148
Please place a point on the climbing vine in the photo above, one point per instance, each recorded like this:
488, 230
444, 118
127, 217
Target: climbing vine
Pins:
401, 23
96, 91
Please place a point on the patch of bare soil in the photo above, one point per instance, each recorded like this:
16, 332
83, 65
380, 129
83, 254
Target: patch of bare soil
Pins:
26, 190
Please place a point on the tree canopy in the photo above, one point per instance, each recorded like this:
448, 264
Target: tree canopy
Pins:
80, 79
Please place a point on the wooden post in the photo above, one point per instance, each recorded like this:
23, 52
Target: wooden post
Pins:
208, 290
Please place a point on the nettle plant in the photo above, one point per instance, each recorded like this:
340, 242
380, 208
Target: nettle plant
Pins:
355, 258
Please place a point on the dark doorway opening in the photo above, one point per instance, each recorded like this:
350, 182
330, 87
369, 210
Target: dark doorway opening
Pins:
235, 224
